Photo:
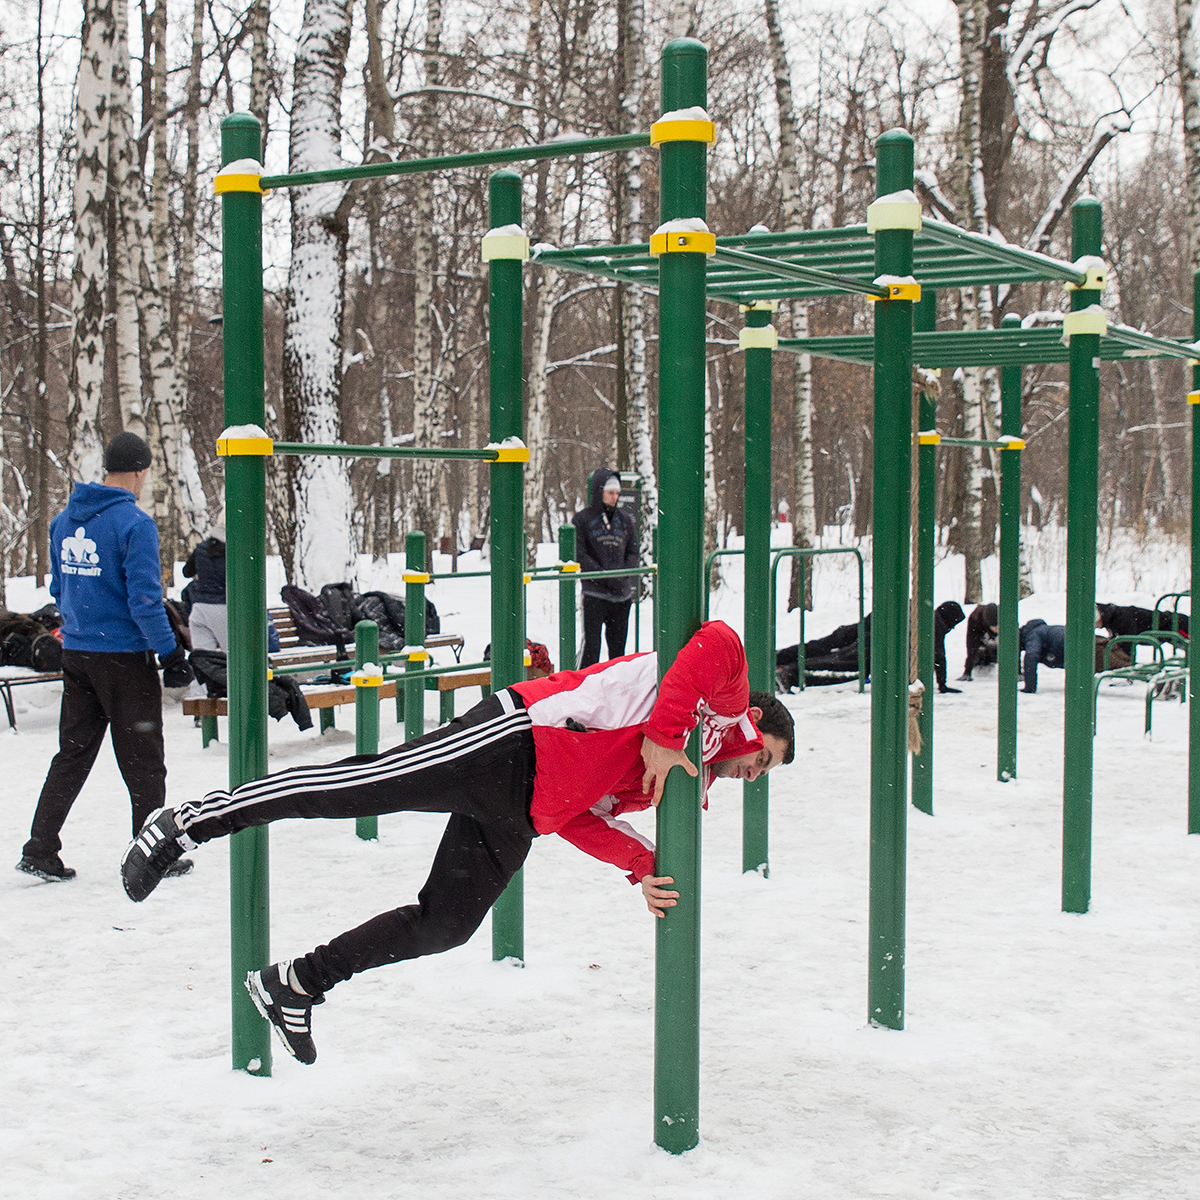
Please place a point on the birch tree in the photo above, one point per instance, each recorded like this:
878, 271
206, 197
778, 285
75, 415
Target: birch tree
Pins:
803, 510
633, 399
89, 275
428, 405
323, 548
1189, 94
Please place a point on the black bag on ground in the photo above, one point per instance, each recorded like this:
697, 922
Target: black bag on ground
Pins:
314, 625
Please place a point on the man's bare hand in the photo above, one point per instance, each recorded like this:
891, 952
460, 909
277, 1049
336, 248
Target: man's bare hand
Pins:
659, 760
657, 899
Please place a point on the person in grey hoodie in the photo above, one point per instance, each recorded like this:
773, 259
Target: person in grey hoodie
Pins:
107, 582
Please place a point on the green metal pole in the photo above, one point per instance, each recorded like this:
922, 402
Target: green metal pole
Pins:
246, 586
566, 600
889, 589
366, 712
759, 634
681, 318
1007, 650
1194, 714
506, 381
414, 632
1083, 479
925, 321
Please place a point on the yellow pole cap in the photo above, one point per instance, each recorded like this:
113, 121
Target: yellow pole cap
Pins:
1193, 397
687, 130
929, 437
682, 241
415, 576
233, 447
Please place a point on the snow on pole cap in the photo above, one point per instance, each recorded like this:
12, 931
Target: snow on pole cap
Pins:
900, 287
244, 440
688, 234
511, 450
896, 210
368, 675
241, 175
1095, 270
683, 125
1085, 320
505, 242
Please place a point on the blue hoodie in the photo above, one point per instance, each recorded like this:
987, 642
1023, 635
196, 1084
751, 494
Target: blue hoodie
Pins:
105, 574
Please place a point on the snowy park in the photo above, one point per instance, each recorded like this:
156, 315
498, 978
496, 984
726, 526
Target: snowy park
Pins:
1044, 1054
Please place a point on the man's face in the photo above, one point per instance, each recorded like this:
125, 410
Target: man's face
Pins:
611, 494
755, 763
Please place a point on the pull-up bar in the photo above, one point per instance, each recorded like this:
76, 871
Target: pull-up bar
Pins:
567, 148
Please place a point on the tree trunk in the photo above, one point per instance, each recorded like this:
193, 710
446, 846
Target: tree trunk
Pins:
803, 503
1189, 90
89, 276
632, 229
323, 550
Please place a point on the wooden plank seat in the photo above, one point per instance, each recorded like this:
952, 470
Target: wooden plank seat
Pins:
292, 653
8, 682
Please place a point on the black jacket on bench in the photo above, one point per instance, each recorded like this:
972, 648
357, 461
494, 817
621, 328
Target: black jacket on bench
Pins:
283, 692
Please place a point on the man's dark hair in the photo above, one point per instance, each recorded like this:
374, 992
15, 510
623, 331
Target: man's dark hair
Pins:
775, 720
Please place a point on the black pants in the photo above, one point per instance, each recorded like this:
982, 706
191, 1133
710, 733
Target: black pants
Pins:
103, 691
610, 615
479, 769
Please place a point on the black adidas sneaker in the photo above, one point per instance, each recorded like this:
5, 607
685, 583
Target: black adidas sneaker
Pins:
151, 854
289, 1011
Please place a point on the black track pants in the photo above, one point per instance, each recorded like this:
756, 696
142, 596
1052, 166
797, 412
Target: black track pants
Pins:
479, 769
103, 691
609, 616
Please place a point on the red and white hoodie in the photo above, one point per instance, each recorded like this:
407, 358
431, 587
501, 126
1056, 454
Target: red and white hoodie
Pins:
585, 779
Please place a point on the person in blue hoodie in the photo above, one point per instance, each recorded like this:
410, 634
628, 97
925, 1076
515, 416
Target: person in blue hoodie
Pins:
1042, 643
106, 580
605, 540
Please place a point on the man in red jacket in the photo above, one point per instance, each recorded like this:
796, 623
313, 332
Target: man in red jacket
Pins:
566, 754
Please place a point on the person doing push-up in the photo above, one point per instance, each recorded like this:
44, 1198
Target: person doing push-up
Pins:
566, 754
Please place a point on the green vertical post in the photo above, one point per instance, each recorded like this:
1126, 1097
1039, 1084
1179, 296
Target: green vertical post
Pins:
1007, 650
506, 382
366, 712
1193, 678
1083, 481
246, 585
889, 587
415, 578
681, 318
758, 632
925, 321
567, 657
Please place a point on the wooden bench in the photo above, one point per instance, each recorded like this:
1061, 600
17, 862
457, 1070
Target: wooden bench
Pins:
8, 682
291, 653
324, 698
327, 698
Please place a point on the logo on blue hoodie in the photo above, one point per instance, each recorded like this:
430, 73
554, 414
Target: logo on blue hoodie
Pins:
79, 555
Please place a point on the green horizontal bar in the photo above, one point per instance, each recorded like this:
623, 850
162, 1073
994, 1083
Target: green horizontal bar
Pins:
789, 270
460, 575
1013, 255
449, 162
432, 672
568, 576
1163, 347
385, 451
955, 441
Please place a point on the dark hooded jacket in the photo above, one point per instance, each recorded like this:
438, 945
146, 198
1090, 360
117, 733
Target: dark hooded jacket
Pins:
946, 616
206, 565
1044, 644
605, 540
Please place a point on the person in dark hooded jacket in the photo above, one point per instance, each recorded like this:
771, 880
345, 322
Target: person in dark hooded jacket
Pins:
605, 540
1044, 644
107, 582
208, 620
946, 616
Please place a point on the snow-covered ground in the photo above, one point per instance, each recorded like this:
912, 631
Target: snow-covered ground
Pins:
1045, 1055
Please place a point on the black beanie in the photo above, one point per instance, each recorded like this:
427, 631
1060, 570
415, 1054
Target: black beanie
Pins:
126, 453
